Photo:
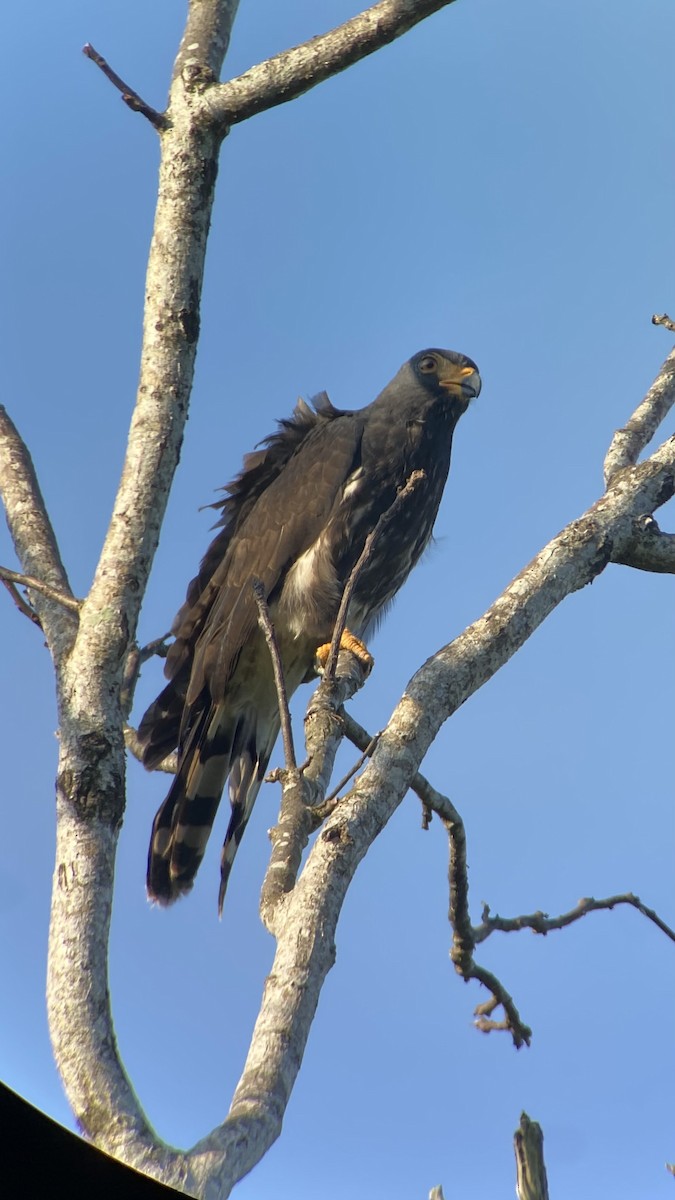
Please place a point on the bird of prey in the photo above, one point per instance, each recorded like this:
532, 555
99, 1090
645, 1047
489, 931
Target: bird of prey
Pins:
296, 518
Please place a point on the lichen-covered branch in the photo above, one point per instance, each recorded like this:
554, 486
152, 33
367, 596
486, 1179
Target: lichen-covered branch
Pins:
629, 441
34, 538
648, 549
295, 71
91, 774
304, 789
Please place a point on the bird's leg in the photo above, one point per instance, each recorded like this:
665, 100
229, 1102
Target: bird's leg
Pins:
347, 642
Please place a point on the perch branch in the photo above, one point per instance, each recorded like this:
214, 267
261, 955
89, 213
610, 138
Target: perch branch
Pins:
629, 441
129, 96
303, 790
295, 71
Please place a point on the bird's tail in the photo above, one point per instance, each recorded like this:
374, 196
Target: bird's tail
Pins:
219, 744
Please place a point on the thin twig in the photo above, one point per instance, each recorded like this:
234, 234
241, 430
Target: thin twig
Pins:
37, 585
303, 790
540, 922
22, 605
129, 96
267, 627
467, 936
414, 480
352, 772
136, 656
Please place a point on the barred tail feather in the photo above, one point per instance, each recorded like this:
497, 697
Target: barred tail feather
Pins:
248, 772
183, 824
220, 743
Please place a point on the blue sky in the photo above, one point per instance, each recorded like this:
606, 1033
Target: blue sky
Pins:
500, 182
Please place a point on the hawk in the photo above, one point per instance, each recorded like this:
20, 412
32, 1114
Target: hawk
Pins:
296, 518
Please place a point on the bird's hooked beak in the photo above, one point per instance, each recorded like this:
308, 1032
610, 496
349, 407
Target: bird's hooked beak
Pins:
463, 380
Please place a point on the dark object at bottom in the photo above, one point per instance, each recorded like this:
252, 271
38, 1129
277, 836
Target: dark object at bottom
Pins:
41, 1158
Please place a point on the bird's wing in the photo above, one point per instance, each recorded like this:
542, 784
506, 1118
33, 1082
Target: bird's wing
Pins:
160, 726
285, 520
229, 719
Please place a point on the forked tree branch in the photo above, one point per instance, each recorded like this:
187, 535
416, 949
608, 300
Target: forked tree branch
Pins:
295, 71
38, 585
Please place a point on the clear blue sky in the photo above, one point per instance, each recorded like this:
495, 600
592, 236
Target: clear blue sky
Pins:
501, 182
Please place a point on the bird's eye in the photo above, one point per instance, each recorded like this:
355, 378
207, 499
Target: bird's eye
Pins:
428, 363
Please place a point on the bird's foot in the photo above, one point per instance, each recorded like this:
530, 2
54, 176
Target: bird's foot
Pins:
347, 642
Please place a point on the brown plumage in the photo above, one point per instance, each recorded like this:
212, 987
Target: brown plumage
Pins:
296, 518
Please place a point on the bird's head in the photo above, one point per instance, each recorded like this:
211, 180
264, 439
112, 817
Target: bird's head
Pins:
447, 372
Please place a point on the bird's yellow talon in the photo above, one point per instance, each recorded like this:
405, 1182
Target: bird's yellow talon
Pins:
347, 642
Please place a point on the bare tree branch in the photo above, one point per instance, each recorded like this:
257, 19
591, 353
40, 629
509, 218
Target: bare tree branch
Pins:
540, 922
267, 627
649, 549
205, 41
129, 96
33, 536
295, 71
303, 790
629, 441
90, 784
28, 581
23, 606
333, 796
528, 1141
